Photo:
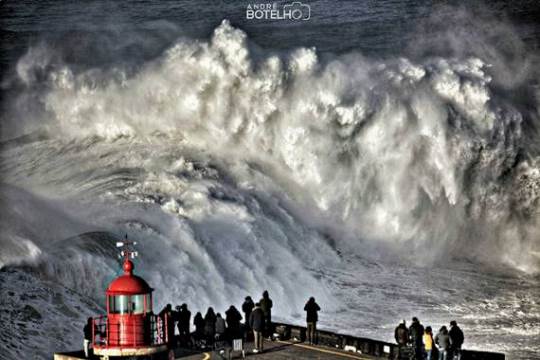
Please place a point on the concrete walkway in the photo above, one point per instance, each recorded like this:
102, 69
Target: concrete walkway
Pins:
280, 350
275, 350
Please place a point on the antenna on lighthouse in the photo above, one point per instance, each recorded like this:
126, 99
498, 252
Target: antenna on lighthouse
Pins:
127, 252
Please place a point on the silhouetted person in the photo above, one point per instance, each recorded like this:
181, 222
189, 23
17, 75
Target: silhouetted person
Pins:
311, 308
184, 317
442, 339
233, 318
247, 306
257, 323
176, 314
456, 340
416, 332
266, 306
401, 334
87, 337
210, 325
220, 327
198, 321
166, 309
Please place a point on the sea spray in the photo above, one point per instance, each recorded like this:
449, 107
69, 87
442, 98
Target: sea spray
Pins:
421, 156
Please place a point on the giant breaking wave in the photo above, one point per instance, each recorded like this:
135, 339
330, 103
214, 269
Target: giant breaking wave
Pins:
420, 156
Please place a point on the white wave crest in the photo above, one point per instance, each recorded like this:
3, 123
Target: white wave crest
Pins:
395, 151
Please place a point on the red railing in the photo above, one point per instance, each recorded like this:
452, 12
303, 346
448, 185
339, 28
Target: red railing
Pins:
150, 330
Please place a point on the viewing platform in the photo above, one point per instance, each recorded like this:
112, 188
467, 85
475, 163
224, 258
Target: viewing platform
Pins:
289, 345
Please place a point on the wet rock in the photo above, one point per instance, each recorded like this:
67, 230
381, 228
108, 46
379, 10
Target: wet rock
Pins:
30, 313
67, 311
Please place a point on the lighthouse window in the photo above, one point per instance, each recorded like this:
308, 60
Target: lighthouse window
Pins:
148, 302
137, 304
119, 304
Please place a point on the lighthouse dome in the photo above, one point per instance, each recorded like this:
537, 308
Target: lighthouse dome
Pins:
128, 284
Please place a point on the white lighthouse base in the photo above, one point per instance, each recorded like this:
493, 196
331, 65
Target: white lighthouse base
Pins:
126, 351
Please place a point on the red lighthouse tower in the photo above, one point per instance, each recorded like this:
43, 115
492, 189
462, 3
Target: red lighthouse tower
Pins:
130, 327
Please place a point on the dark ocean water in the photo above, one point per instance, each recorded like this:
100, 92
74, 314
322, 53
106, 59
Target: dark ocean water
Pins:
375, 28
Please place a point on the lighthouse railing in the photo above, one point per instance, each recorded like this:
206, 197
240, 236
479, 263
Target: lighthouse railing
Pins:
150, 330
100, 331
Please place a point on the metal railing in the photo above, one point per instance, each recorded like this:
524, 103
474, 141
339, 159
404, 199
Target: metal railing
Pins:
366, 346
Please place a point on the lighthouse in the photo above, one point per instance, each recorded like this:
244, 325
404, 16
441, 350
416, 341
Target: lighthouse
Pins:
130, 328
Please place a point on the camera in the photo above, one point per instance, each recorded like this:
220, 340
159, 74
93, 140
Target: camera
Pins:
297, 11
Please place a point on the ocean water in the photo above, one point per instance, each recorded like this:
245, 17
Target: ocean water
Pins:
380, 156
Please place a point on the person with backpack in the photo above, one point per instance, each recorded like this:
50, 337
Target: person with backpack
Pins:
311, 308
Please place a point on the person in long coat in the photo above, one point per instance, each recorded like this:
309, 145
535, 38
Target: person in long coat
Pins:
210, 325
198, 321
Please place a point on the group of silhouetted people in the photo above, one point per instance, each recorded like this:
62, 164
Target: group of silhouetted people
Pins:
181, 319
417, 342
214, 328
